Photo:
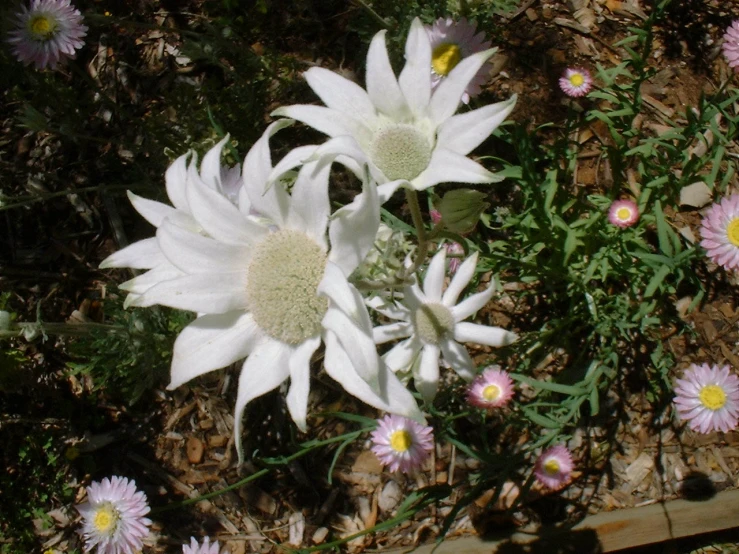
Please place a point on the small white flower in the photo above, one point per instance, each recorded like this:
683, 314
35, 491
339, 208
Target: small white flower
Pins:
433, 324
206, 548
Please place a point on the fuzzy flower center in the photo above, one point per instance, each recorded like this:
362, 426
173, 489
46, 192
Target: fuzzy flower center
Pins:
712, 397
282, 286
433, 322
491, 392
623, 214
400, 440
444, 58
577, 80
732, 231
551, 466
401, 151
42, 26
105, 518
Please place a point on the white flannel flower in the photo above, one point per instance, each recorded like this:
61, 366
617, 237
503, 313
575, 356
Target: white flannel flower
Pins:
405, 133
433, 324
268, 287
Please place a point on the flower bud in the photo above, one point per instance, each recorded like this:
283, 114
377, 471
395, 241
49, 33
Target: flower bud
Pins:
461, 209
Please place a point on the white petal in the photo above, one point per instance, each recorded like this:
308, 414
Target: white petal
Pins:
382, 86
296, 157
426, 379
341, 94
309, 203
392, 331
297, 396
461, 279
335, 286
446, 97
176, 180
403, 355
433, 281
353, 229
143, 282
206, 293
386, 190
464, 132
210, 168
449, 167
193, 253
345, 145
330, 122
483, 334
395, 398
212, 342
144, 254
264, 370
415, 79
472, 304
457, 356
392, 310
152, 211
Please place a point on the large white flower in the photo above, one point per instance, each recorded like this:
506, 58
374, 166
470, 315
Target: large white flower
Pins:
403, 131
268, 288
433, 325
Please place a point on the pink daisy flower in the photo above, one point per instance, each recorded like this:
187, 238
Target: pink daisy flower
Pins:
113, 517
451, 42
720, 232
623, 213
730, 46
576, 82
492, 389
47, 32
206, 548
553, 467
708, 398
401, 443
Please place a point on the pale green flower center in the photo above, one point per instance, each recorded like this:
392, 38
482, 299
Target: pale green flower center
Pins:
551, 466
400, 441
577, 80
623, 214
444, 58
105, 518
732, 231
712, 397
401, 151
491, 392
282, 286
433, 322
42, 26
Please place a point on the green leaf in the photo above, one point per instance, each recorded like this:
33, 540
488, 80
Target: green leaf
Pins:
665, 245
541, 420
656, 281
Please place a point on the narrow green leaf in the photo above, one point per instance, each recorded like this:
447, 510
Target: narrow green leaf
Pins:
665, 245
656, 281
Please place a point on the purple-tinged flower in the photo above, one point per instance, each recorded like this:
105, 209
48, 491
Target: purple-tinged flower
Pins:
401, 443
206, 548
730, 46
47, 32
113, 517
576, 82
456, 250
623, 213
451, 42
708, 398
492, 389
720, 232
553, 467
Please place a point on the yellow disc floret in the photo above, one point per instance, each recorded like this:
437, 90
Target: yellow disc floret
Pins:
400, 440
551, 466
623, 214
445, 57
491, 392
42, 27
105, 518
712, 397
577, 80
732, 231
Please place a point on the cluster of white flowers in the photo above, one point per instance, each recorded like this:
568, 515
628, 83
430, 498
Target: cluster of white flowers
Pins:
258, 254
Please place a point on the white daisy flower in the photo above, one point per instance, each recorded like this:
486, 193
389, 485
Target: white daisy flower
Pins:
206, 547
269, 288
433, 324
405, 133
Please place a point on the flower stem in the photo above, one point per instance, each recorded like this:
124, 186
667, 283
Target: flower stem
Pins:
411, 197
66, 329
376, 16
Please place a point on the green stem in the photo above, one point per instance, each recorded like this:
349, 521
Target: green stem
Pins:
411, 197
26, 200
66, 329
376, 16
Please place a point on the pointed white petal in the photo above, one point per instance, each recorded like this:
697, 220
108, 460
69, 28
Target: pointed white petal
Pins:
415, 79
210, 168
264, 370
144, 254
382, 86
176, 180
152, 211
459, 359
330, 122
341, 94
426, 378
449, 167
358, 345
461, 279
395, 398
386, 190
143, 282
483, 334
403, 355
212, 342
472, 304
390, 310
353, 229
309, 205
463, 133
446, 97
193, 253
392, 331
433, 282
335, 286
206, 293
339, 148
296, 157
297, 396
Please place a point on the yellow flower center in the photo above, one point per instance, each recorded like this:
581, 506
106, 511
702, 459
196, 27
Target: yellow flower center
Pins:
42, 26
623, 214
444, 58
732, 231
491, 392
577, 80
712, 397
105, 518
400, 441
551, 466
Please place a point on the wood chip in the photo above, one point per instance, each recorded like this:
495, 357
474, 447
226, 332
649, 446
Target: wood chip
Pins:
320, 535
194, 449
390, 496
296, 524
